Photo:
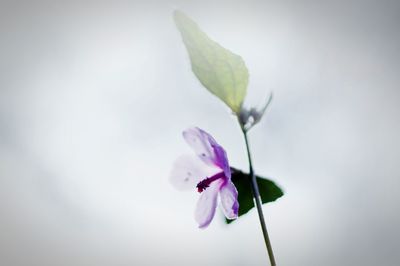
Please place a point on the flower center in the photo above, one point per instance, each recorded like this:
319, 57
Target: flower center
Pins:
205, 183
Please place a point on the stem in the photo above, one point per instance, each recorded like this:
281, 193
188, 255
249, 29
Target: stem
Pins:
257, 199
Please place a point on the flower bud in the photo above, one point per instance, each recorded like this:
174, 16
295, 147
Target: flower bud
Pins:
249, 117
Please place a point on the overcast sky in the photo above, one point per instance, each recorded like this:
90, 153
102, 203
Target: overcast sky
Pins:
94, 97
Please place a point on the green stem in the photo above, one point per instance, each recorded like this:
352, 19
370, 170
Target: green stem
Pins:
257, 199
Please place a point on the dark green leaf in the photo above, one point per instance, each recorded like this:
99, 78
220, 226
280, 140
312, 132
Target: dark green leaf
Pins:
269, 191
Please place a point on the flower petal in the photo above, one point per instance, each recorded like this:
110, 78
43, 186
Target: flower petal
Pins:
187, 171
199, 142
229, 203
209, 151
222, 159
205, 208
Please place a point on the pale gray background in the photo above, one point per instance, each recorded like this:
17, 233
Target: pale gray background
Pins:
93, 99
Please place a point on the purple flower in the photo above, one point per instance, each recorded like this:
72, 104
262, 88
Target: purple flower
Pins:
210, 173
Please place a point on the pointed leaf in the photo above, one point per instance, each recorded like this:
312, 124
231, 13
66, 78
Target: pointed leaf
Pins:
222, 72
269, 191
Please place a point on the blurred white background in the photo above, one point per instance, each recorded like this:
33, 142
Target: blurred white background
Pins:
94, 96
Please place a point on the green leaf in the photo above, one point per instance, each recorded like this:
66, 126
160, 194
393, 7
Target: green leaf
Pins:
222, 72
269, 191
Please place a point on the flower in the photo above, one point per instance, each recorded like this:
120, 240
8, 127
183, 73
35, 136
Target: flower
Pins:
210, 173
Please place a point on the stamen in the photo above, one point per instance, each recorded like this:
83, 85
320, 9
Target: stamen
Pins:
205, 183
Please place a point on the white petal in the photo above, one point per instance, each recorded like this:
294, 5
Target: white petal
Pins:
187, 171
200, 142
205, 208
229, 203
